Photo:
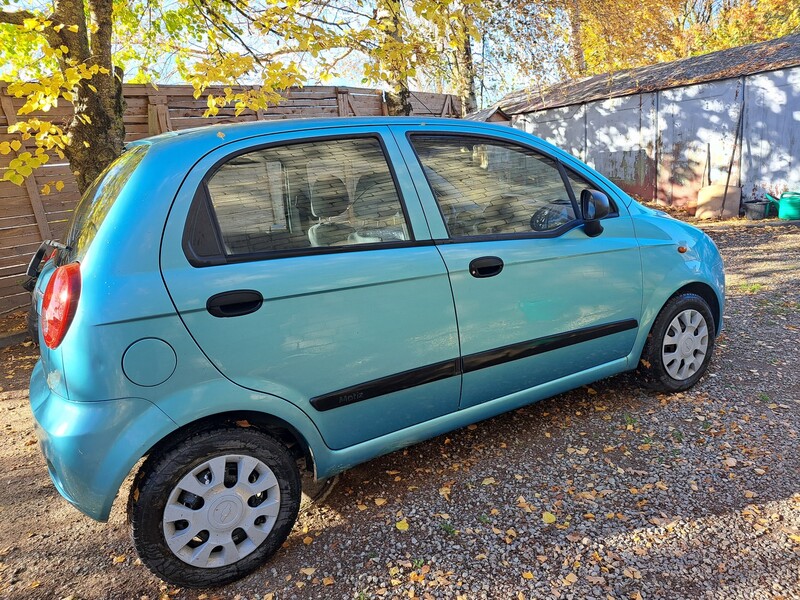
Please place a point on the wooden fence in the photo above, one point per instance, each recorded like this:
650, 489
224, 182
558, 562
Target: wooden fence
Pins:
27, 216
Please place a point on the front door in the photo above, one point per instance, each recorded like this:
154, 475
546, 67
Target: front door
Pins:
303, 269
536, 298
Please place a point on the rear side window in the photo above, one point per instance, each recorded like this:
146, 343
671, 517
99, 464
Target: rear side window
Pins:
97, 201
320, 194
493, 187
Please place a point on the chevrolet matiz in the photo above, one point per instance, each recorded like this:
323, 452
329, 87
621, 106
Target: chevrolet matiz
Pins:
243, 304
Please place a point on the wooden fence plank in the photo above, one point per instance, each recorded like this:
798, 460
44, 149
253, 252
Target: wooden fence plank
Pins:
150, 110
30, 186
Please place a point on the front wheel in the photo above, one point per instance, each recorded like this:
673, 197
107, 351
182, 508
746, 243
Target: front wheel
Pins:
680, 344
214, 507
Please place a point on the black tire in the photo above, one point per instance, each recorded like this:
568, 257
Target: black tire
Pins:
160, 476
654, 373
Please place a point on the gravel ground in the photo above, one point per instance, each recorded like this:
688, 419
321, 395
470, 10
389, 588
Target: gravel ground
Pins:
608, 491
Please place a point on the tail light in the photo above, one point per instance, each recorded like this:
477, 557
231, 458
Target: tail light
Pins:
59, 303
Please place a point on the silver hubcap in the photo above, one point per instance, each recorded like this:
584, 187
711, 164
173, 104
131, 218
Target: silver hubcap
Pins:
685, 344
221, 511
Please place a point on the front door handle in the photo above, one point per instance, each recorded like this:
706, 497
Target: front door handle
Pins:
234, 303
485, 266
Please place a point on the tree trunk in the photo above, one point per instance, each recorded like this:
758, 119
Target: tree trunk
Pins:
399, 97
465, 71
98, 140
575, 39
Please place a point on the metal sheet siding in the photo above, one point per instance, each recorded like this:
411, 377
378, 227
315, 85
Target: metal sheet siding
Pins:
670, 143
771, 161
621, 140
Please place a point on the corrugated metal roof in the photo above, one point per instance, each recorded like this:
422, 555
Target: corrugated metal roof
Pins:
735, 62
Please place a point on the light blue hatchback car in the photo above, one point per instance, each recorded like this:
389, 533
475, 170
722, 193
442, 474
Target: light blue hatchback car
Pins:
242, 303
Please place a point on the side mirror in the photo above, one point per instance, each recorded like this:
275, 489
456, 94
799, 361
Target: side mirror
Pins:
594, 206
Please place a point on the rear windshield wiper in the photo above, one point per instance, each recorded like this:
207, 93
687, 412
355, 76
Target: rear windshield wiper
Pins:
33, 267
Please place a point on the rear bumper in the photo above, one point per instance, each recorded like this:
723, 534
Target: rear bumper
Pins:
90, 447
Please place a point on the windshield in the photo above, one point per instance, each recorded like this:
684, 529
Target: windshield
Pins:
97, 201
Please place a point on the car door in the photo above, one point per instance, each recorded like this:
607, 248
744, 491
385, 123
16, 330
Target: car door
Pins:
304, 269
537, 299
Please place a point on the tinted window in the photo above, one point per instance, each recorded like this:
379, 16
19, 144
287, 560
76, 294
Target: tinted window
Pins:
579, 183
493, 187
95, 203
316, 194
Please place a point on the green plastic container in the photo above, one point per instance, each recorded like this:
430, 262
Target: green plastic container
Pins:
788, 205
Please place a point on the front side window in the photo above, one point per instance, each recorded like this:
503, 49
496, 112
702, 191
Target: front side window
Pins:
491, 187
319, 194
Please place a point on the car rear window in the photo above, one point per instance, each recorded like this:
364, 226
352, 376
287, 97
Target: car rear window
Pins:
95, 203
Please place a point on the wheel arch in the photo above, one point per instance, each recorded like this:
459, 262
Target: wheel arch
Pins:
706, 292
260, 421
653, 308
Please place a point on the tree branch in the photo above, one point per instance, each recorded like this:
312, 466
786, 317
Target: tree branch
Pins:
17, 17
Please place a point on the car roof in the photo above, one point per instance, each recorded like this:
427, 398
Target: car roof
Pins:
229, 132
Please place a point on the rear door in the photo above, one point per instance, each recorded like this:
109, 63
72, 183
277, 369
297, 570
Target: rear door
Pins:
303, 268
536, 298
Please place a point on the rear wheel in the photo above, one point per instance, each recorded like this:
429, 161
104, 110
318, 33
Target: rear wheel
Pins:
214, 507
680, 344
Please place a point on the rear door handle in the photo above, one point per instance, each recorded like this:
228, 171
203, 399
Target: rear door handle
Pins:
485, 266
234, 303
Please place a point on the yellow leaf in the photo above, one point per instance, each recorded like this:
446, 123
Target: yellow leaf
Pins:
527, 575
63, 48
308, 571
59, 186
570, 579
45, 190
402, 525
328, 581
488, 481
361, 506
445, 492
15, 145
73, 28
380, 501
548, 517
119, 559
307, 540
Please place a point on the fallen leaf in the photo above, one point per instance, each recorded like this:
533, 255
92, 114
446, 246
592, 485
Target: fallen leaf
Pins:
488, 481
548, 517
730, 461
445, 492
749, 494
308, 571
402, 525
527, 575
380, 501
632, 573
570, 579
307, 540
328, 581
362, 506
119, 559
